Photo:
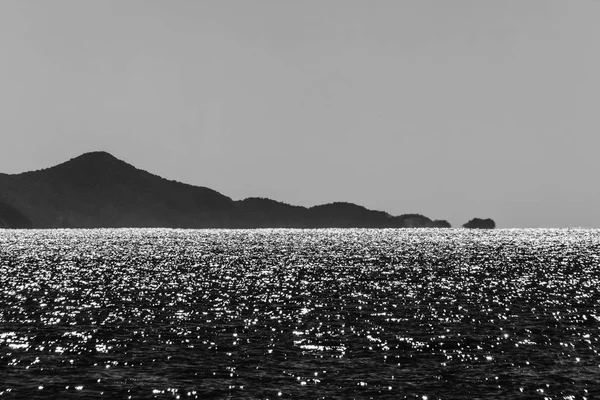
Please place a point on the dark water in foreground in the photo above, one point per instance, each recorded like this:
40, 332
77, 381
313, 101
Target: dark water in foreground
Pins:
423, 314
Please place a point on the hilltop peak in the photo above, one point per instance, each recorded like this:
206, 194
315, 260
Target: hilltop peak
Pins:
95, 160
98, 153
89, 169
95, 157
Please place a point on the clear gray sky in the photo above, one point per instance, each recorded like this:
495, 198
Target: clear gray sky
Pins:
453, 109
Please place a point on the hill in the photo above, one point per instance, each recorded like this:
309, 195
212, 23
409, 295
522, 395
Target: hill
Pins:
98, 190
479, 223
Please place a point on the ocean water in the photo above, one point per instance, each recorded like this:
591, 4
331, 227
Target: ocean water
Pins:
336, 314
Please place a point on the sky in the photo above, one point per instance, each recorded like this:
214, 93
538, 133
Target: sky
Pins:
452, 109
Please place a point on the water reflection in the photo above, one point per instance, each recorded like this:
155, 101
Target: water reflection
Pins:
299, 313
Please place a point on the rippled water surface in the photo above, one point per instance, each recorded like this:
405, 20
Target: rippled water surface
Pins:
423, 314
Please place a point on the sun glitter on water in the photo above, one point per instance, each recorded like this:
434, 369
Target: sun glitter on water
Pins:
340, 313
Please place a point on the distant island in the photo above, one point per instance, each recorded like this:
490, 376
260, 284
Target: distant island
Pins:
478, 223
97, 190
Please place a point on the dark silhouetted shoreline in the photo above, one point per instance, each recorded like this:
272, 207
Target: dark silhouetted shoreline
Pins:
97, 190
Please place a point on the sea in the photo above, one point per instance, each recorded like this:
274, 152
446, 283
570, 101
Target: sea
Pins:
305, 314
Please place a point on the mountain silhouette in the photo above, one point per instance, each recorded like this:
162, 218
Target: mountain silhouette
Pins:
479, 223
97, 190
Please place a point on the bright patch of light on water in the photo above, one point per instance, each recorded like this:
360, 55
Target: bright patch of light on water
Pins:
300, 313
